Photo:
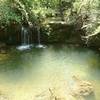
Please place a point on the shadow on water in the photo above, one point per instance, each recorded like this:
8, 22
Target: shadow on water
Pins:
15, 64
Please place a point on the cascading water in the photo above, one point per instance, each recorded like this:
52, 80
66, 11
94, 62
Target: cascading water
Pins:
25, 39
39, 39
24, 36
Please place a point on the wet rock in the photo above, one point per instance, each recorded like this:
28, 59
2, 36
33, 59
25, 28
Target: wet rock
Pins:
3, 51
2, 45
3, 48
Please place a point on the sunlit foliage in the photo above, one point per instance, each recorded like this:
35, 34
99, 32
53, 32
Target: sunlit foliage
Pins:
67, 10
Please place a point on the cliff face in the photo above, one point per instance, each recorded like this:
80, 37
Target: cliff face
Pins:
63, 32
56, 32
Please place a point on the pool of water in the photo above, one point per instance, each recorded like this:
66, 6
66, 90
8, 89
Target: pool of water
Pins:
26, 74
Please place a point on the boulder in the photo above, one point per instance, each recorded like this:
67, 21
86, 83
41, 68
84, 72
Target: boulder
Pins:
2, 48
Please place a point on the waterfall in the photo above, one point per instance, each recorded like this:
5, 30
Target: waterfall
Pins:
38, 32
39, 39
25, 39
24, 36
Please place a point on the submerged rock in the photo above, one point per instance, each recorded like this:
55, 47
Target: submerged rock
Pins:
48, 95
3, 96
81, 88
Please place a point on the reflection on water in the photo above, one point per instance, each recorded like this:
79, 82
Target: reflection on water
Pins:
24, 74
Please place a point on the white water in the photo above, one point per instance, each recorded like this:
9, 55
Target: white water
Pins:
24, 36
39, 39
25, 40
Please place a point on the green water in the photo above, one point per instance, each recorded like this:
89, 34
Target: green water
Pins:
24, 74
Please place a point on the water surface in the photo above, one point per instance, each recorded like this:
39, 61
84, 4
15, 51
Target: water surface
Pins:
25, 74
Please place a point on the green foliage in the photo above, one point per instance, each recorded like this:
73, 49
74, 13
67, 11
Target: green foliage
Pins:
90, 11
37, 11
7, 14
31, 10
